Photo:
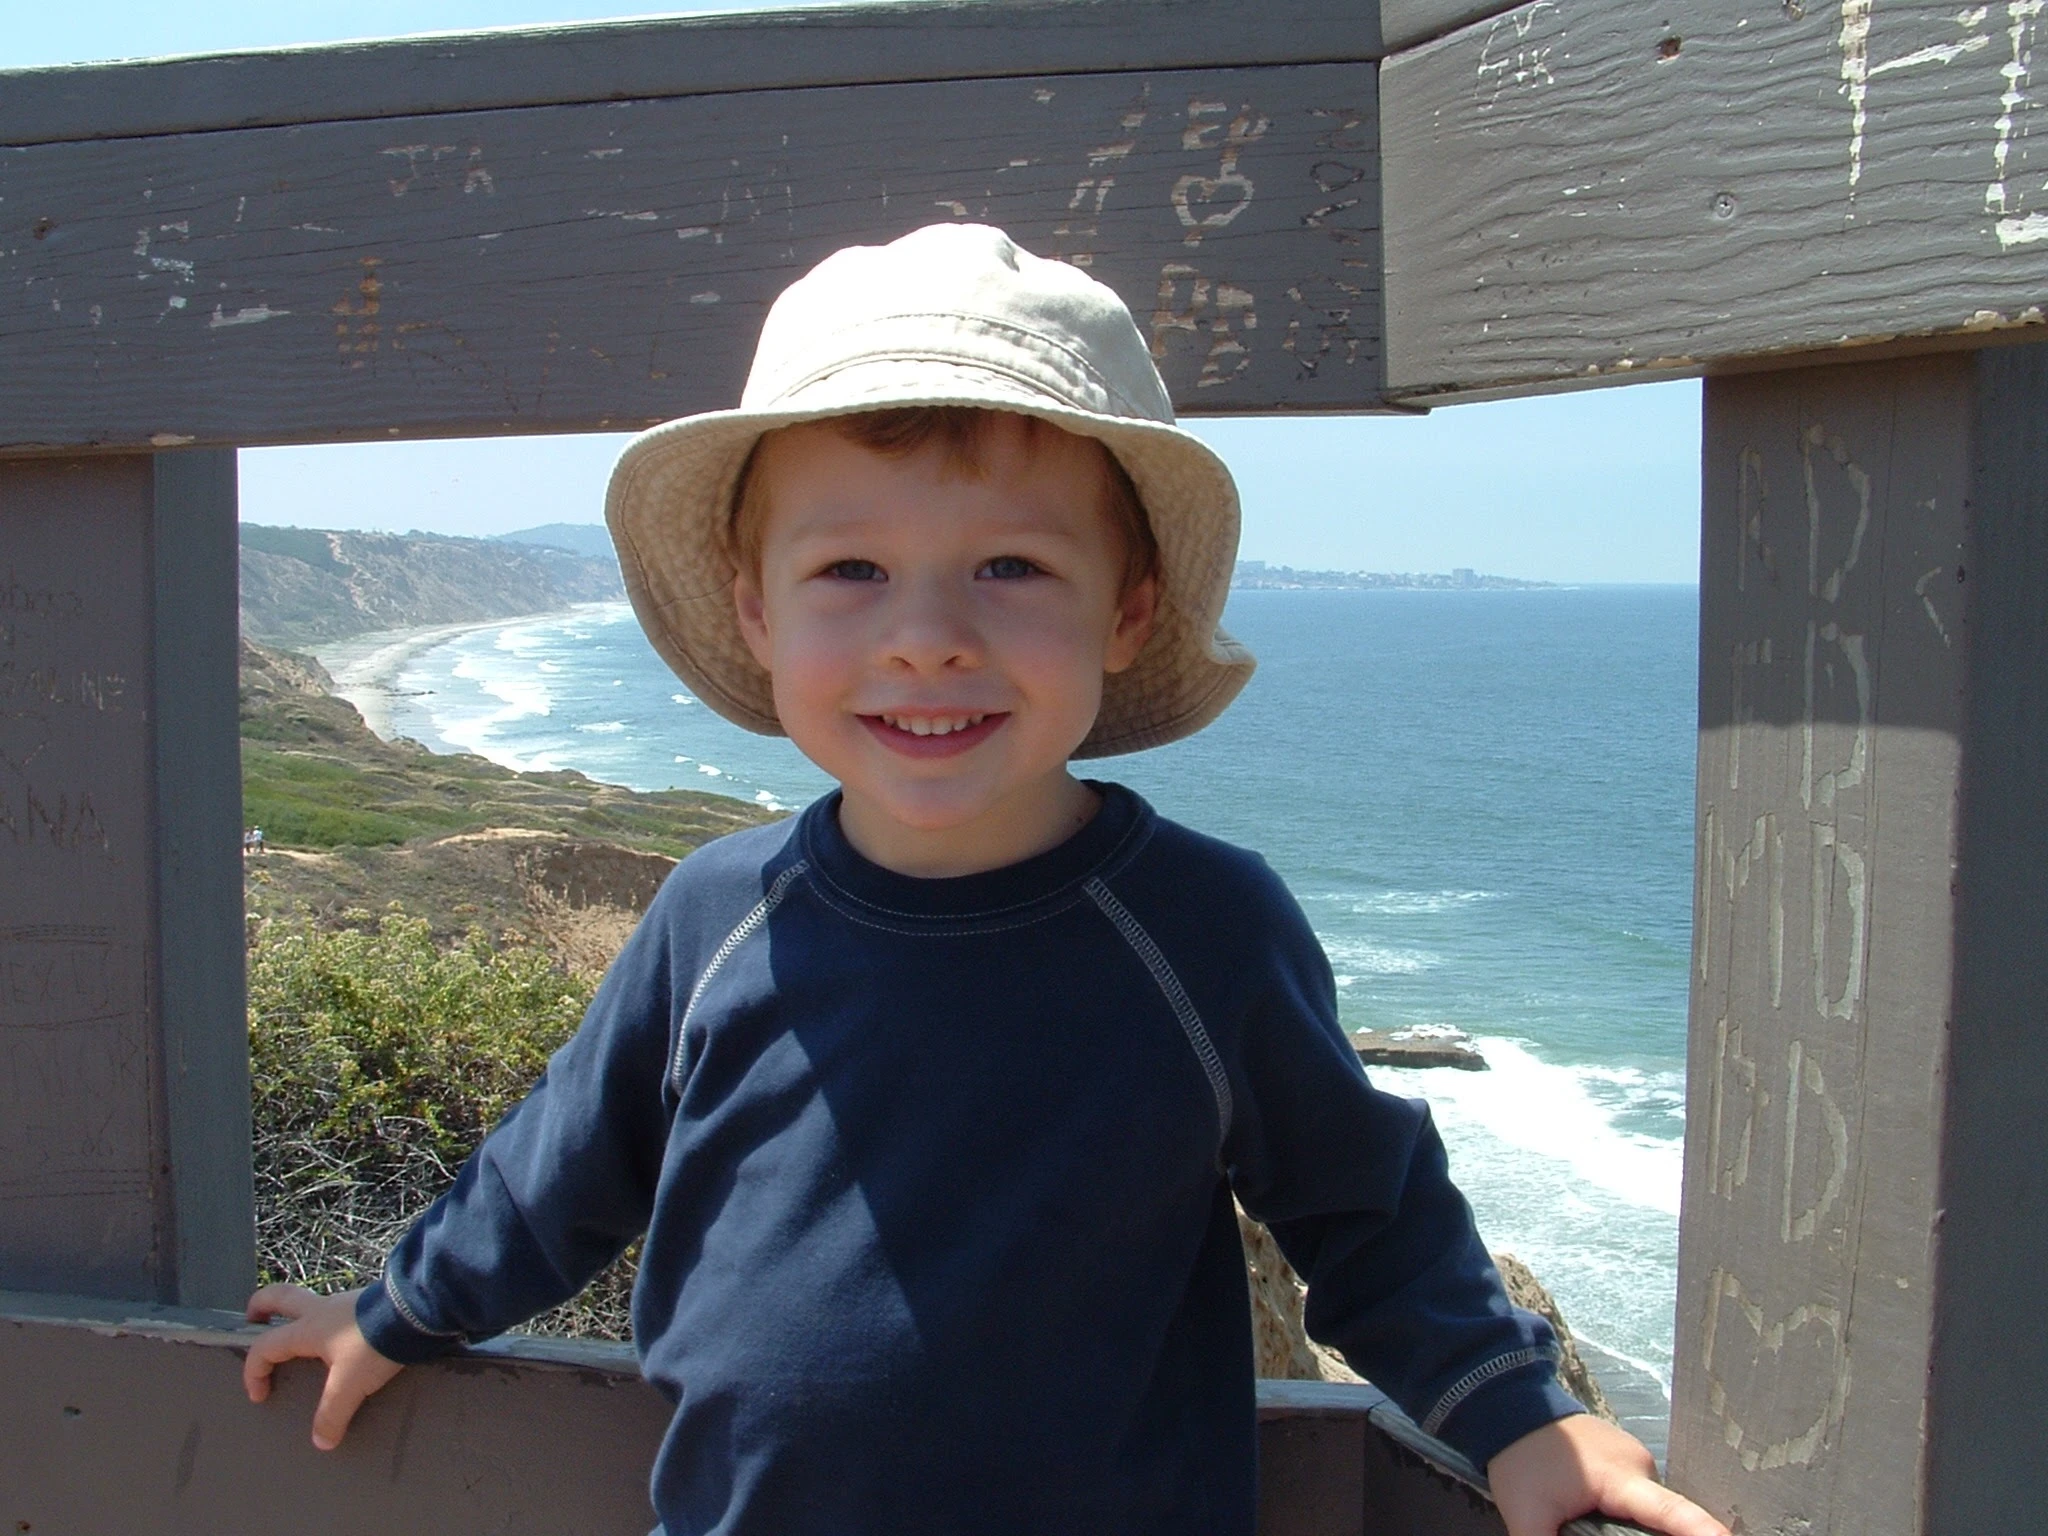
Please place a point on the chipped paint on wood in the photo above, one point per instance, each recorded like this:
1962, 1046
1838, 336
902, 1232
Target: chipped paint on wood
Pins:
322, 281
1550, 169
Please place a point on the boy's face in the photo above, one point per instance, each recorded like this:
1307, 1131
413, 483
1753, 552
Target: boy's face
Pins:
937, 642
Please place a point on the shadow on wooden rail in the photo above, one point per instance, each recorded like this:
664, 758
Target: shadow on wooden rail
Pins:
121, 1417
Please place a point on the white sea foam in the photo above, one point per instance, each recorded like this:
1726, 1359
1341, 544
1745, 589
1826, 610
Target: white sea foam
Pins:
681, 698
1361, 957
519, 693
603, 727
1554, 1179
1551, 1112
1417, 903
706, 768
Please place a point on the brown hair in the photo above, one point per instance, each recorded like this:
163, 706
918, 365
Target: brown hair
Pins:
961, 434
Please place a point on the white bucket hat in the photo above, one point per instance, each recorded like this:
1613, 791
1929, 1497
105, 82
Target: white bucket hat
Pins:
953, 314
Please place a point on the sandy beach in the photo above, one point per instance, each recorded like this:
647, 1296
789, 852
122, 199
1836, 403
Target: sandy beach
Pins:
365, 668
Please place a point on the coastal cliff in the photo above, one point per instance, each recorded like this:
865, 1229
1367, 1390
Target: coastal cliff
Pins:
305, 585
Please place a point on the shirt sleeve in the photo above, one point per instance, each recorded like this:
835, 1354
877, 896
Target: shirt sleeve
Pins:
1355, 1186
558, 1188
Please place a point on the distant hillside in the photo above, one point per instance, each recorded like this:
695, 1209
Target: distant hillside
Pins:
356, 821
1256, 575
304, 585
591, 539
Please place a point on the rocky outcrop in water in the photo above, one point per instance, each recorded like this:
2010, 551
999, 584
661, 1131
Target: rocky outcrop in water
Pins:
1416, 1048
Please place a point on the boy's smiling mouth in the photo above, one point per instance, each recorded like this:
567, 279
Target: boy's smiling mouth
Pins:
933, 735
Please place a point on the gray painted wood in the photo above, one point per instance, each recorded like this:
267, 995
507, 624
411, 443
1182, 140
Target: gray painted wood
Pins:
1590, 189
576, 268
124, 1075
1852, 680
142, 1428
1413, 1484
132, 1419
201, 1002
1406, 23
1985, 1471
82, 1202
674, 56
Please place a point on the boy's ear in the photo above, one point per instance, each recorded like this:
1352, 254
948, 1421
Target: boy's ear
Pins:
751, 609
1137, 611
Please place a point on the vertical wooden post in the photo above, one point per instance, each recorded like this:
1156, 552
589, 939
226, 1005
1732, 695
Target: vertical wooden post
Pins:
202, 1006
1864, 1168
124, 1079
1986, 1420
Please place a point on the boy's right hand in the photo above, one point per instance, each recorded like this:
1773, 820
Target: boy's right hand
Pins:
319, 1328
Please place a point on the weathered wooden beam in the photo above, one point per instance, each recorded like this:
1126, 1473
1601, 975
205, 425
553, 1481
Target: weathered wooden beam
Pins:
112, 1422
606, 266
124, 1077
1580, 190
201, 999
1984, 1463
867, 44
1866, 1163
132, 1419
1405, 23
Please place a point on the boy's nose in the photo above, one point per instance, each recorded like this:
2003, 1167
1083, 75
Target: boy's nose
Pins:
929, 629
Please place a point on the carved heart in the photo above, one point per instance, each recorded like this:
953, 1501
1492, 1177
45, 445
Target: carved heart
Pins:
1776, 1434
1207, 190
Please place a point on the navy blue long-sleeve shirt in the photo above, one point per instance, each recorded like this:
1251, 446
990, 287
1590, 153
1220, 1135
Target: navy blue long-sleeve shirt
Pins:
935, 1178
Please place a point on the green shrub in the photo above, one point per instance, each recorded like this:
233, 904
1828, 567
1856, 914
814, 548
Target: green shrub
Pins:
288, 821
378, 1063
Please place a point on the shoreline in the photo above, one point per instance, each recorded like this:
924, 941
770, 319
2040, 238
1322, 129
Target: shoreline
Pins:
365, 667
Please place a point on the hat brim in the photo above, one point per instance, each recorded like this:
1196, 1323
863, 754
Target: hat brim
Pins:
669, 504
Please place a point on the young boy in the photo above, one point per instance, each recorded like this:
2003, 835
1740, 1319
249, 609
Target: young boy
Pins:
931, 1101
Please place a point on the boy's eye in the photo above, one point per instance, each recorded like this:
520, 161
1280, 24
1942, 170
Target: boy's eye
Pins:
1008, 568
854, 570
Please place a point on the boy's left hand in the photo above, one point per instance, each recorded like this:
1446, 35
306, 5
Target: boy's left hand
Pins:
1586, 1466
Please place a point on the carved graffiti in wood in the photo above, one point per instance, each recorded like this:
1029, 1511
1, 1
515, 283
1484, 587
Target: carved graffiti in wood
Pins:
1742, 1342
1330, 311
1827, 699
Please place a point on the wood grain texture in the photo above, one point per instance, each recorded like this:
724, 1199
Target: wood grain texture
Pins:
1405, 23
1833, 643
83, 1202
578, 268
202, 1002
1985, 1469
132, 1419
673, 56
142, 1428
1590, 189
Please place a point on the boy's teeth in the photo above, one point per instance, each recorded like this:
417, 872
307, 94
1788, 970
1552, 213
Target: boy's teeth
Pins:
924, 726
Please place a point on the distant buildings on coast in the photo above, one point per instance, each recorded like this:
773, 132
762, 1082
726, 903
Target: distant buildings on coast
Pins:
1257, 575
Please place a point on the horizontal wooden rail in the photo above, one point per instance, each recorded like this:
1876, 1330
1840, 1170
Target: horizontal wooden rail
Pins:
121, 1417
1592, 190
1405, 23
867, 44
607, 265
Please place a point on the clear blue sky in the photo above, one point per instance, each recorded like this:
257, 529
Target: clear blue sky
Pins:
1599, 486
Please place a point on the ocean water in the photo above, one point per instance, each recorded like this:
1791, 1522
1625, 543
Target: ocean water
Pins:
1483, 801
